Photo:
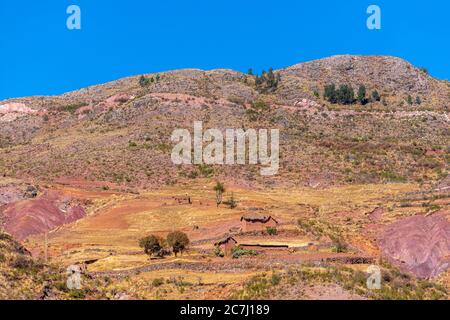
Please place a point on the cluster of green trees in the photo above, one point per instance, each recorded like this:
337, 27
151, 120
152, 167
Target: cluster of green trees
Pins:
154, 245
144, 81
410, 100
267, 82
346, 95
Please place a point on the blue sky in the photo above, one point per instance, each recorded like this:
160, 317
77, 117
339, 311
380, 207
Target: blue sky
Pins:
40, 56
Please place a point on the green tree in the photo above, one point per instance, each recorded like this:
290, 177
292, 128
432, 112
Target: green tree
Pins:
151, 244
143, 81
345, 94
376, 95
178, 241
329, 93
418, 100
219, 188
409, 100
250, 72
362, 95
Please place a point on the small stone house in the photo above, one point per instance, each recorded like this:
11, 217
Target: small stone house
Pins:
257, 223
226, 245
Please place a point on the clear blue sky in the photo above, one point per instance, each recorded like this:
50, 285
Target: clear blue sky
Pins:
40, 56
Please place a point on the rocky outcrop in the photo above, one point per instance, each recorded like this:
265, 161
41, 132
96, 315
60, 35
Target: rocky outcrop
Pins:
418, 244
12, 111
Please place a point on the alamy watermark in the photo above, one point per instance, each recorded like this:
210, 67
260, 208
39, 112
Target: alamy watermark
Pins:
374, 20
73, 22
230, 149
73, 277
374, 280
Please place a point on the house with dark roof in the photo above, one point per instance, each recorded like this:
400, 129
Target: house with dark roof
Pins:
257, 223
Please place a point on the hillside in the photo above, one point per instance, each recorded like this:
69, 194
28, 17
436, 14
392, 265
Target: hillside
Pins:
363, 181
126, 126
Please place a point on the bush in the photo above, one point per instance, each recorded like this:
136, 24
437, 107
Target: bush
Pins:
418, 100
239, 252
178, 241
376, 96
339, 246
409, 100
271, 231
231, 202
218, 252
72, 108
157, 282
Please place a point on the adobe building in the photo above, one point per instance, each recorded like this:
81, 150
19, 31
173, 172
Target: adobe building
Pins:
257, 223
226, 245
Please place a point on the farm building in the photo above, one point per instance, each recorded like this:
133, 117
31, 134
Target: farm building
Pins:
257, 223
226, 245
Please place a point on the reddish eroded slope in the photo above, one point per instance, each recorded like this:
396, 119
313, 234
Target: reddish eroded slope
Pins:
32, 216
419, 244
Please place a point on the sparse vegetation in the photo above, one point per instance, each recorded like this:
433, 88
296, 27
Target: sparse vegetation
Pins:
72, 108
231, 202
238, 252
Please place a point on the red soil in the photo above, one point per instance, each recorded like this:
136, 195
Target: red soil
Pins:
28, 217
419, 244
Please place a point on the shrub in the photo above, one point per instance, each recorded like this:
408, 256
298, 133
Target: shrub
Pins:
239, 252
72, 108
178, 241
21, 262
231, 202
339, 246
218, 252
409, 100
271, 231
418, 100
157, 282
424, 70
376, 96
